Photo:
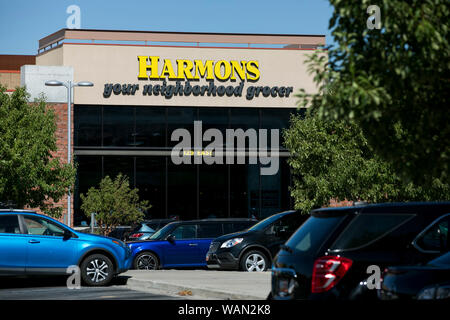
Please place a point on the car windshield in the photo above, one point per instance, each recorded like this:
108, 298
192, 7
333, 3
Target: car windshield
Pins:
263, 224
161, 233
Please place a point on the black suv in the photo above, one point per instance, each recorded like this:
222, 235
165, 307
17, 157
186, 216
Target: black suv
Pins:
330, 254
253, 249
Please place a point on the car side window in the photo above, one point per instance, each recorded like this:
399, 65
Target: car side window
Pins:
288, 224
435, 238
366, 229
42, 227
209, 230
9, 224
187, 231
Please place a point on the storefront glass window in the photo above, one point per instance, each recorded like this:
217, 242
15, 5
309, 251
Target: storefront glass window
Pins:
182, 191
118, 126
113, 165
189, 191
213, 191
88, 126
216, 118
150, 127
89, 174
244, 118
275, 191
180, 117
244, 190
150, 180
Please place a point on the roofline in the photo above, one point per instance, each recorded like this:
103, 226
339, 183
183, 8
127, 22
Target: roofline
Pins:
194, 33
187, 37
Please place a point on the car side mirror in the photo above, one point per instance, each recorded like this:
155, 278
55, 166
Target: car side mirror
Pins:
67, 234
171, 238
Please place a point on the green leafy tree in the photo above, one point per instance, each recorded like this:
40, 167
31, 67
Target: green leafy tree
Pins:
30, 174
114, 203
394, 82
333, 160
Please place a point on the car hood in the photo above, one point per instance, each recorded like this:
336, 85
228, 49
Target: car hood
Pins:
241, 234
90, 236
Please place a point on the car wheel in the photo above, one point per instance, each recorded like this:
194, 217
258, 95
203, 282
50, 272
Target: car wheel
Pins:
146, 261
97, 270
254, 261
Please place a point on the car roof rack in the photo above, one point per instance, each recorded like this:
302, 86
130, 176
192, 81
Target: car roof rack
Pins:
17, 210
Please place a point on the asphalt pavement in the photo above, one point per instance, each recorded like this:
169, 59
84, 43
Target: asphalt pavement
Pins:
54, 288
203, 284
145, 285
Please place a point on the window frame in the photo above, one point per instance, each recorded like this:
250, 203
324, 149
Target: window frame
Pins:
350, 223
183, 225
19, 222
221, 224
23, 216
424, 231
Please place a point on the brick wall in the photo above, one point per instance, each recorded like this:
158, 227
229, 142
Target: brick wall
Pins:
61, 142
344, 203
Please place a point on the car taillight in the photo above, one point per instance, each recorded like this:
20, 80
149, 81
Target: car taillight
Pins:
327, 272
136, 235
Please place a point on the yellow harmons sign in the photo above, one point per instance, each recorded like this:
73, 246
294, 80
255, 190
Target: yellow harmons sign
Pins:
177, 75
151, 67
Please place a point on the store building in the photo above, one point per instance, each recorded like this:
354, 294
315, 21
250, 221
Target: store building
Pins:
147, 85
10, 69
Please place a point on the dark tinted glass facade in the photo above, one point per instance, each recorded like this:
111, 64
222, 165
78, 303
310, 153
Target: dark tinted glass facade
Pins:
135, 141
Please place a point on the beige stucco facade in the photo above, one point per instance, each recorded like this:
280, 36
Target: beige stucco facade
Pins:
10, 79
118, 64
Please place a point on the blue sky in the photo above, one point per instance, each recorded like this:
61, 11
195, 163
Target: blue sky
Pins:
24, 22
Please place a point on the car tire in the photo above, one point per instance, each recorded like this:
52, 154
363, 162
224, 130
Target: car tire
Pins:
254, 261
146, 261
97, 270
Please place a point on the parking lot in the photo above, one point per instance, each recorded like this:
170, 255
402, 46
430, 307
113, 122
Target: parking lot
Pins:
204, 284
54, 288
145, 285
314, 260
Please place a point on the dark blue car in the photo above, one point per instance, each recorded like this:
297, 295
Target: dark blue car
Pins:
34, 244
183, 243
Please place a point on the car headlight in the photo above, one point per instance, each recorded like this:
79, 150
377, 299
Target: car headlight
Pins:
231, 243
437, 292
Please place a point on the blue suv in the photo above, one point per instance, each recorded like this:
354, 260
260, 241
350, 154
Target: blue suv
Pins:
183, 243
34, 244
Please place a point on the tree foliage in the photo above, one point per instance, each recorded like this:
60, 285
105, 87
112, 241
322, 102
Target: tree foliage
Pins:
331, 159
393, 81
114, 203
30, 174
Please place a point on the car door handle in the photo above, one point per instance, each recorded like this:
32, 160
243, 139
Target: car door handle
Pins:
193, 244
34, 241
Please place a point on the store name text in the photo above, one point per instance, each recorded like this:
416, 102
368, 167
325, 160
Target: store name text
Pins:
179, 79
